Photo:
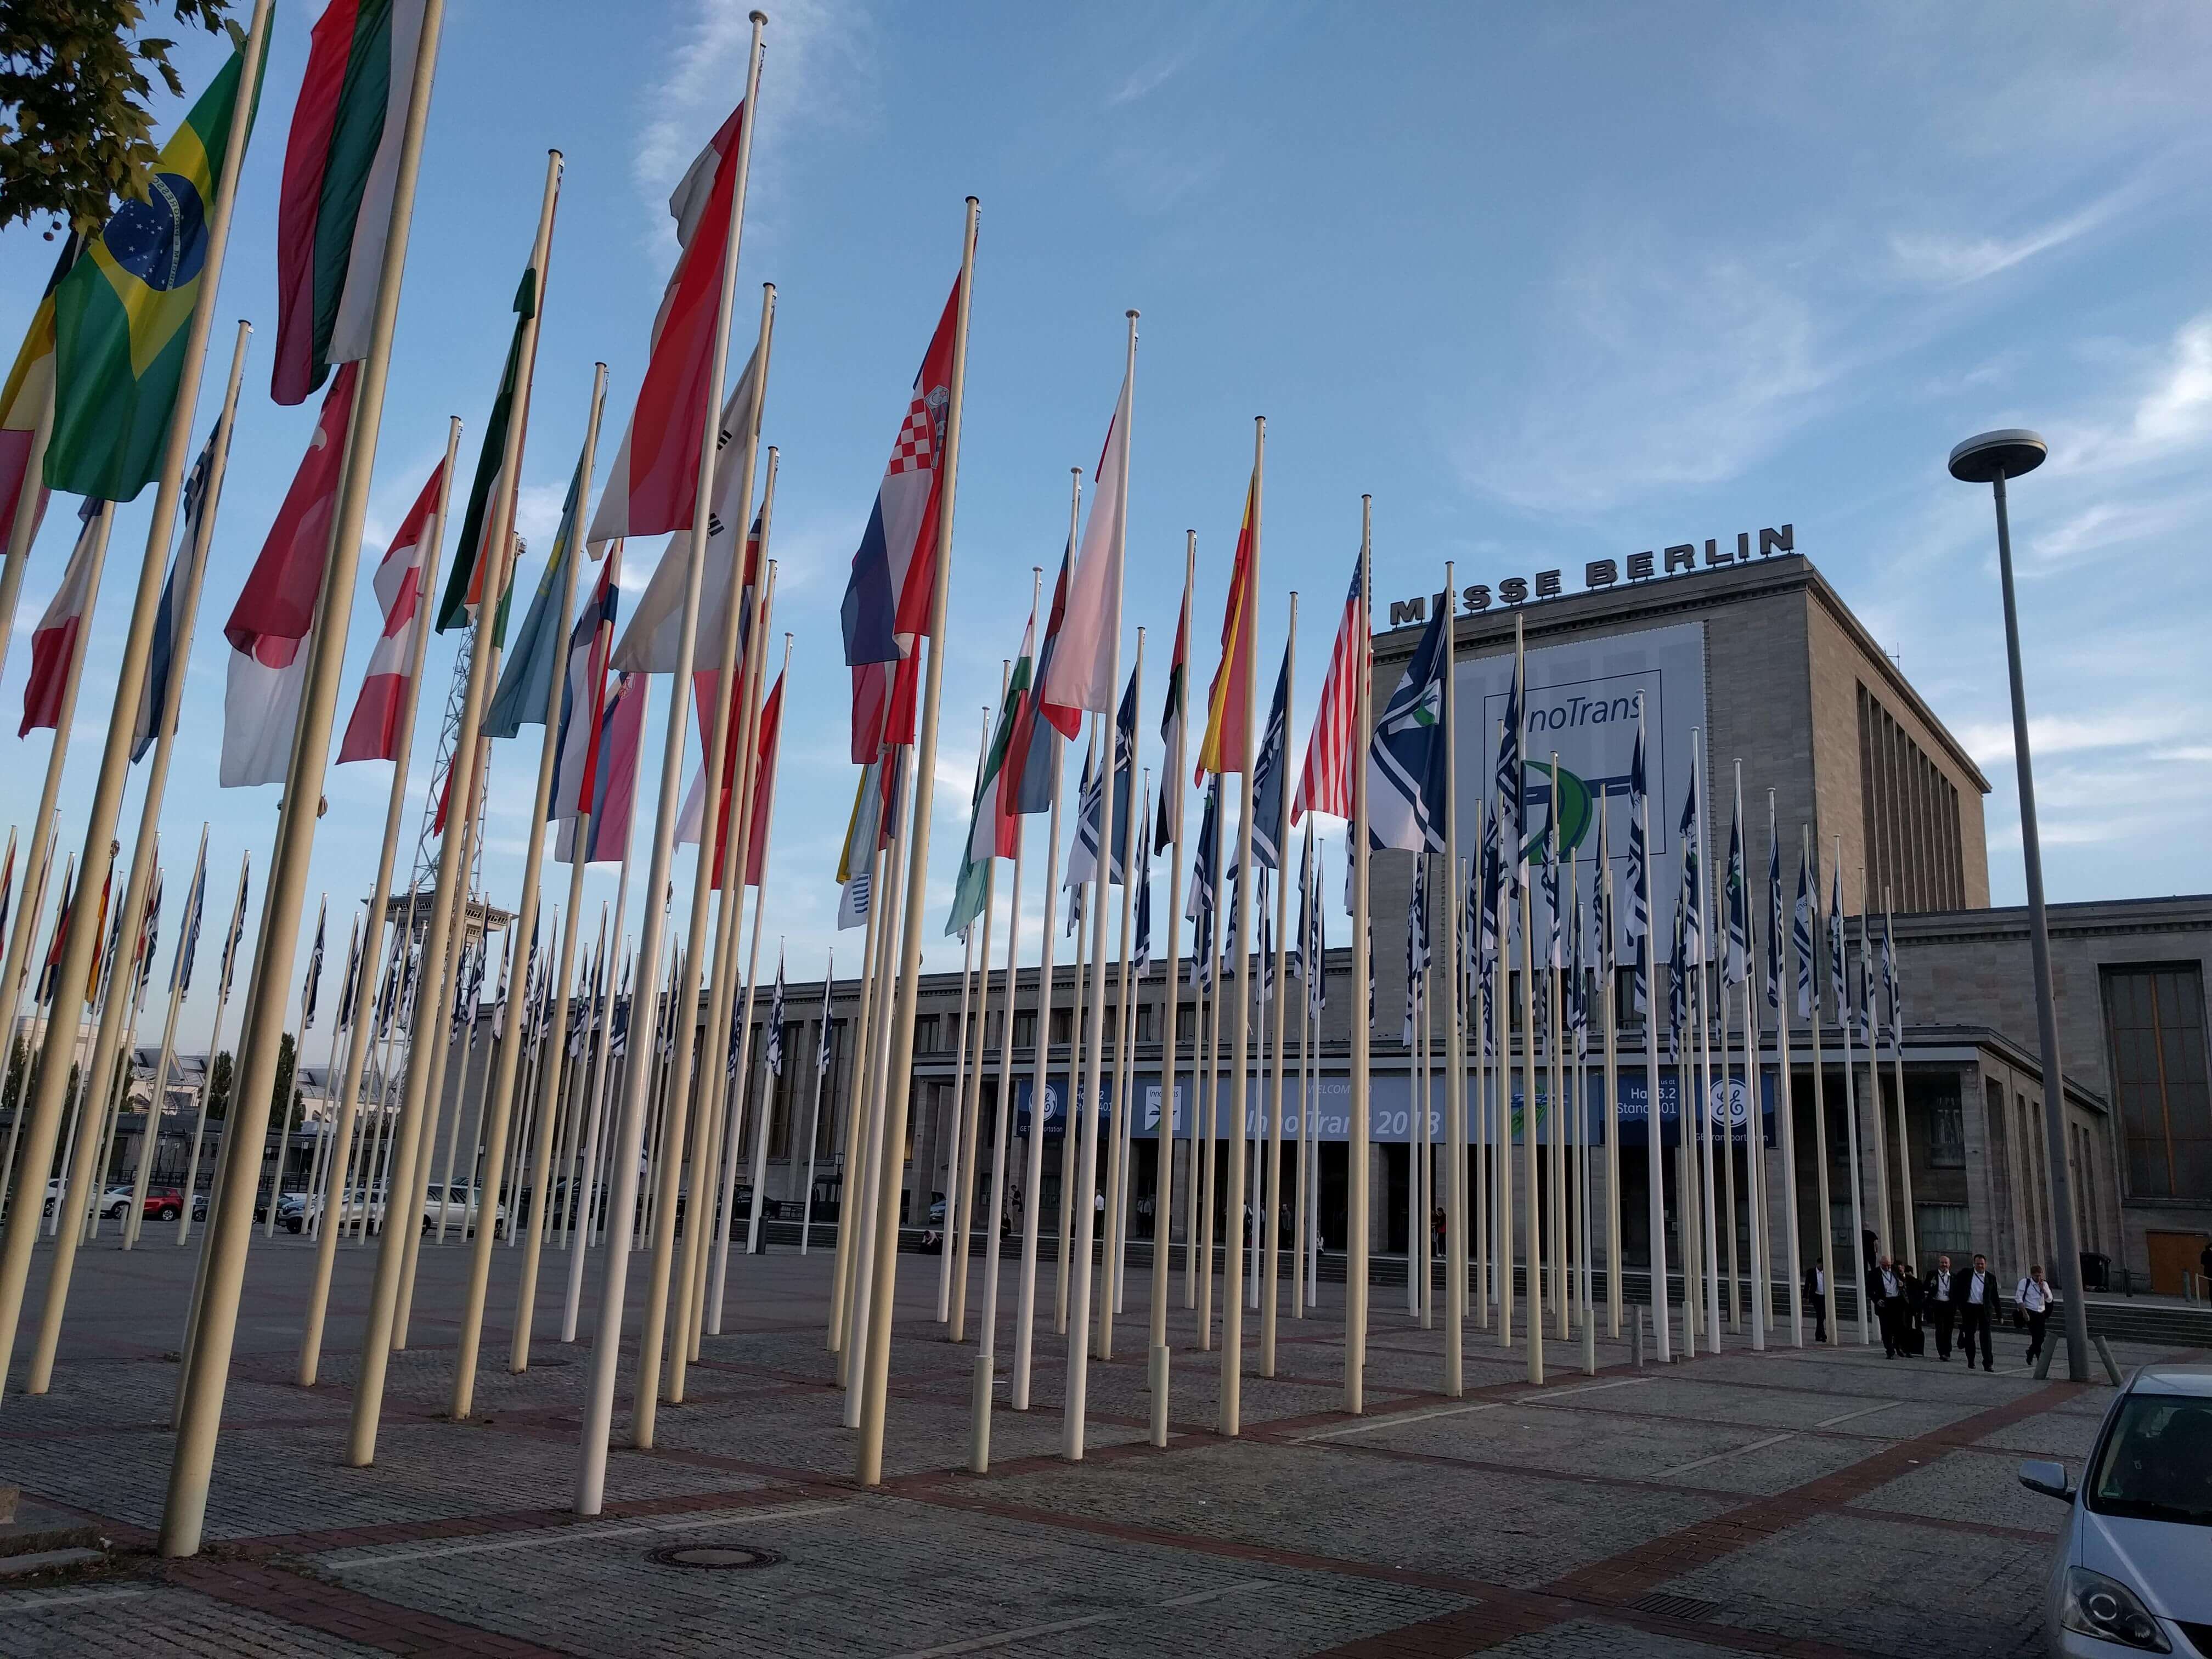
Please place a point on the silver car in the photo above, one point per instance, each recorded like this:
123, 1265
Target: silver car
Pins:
2133, 1572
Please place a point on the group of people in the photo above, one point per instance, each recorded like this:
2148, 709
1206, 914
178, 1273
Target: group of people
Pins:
1908, 1304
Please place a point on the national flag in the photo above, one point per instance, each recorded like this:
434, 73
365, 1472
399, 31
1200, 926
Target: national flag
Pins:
1168, 832
1678, 986
1487, 934
822, 1040
121, 313
526, 668
68, 614
373, 732
886, 603
341, 165
613, 777
102, 963
269, 626
471, 553
1736, 952
583, 693
1268, 829
1839, 989
773, 1043
1316, 951
653, 486
1227, 745
1080, 674
50, 970
1418, 954
1510, 785
883, 702
1577, 983
1203, 907
1774, 919
992, 831
1325, 783
7, 885
1083, 855
172, 622
1639, 873
1141, 956
352, 986
654, 637
763, 802
498, 996
1893, 986
1805, 921
856, 860
1865, 1016
1033, 755
149, 939
237, 929
1406, 757
25, 396
1548, 876
311, 983
1690, 836
694, 810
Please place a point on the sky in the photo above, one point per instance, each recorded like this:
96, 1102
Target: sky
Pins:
1551, 283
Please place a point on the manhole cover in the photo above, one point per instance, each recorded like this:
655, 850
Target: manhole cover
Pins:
713, 1556
1665, 1606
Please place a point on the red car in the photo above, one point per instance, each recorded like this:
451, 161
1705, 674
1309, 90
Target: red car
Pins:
162, 1203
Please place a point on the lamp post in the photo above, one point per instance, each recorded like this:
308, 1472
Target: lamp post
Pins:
1992, 459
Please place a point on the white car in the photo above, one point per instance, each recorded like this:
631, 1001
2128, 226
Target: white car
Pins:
2131, 1575
298, 1218
459, 1206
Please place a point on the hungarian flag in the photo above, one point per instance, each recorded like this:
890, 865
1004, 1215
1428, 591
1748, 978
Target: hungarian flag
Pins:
994, 831
121, 315
269, 626
613, 777
1079, 676
54, 640
1169, 830
654, 485
887, 596
334, 208
465, 584
1033, 760
584, 693
1227, 745
24, 399
172, 624
373, 732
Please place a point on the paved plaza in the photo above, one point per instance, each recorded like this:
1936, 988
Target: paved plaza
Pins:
1804, 1503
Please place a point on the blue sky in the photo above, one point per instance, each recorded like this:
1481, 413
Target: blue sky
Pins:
1551, 284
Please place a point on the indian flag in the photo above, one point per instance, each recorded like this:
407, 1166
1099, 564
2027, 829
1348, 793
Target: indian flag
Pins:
341, 162
120, 315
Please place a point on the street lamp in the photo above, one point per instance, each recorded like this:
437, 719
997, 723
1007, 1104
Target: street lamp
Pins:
1992, 459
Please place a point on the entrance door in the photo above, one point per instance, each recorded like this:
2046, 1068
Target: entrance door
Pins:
2171, 1257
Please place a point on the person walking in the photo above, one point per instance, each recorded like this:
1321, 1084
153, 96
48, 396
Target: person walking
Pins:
1814, 1291
1886, 1286
1912, 1335
2033, 1296
1974, 1293
1937, 1301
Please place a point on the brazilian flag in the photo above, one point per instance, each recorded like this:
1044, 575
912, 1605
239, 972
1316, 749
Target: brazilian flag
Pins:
121, 315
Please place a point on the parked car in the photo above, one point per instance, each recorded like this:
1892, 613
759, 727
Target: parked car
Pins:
2129, 1573
162, 1203
458, 1204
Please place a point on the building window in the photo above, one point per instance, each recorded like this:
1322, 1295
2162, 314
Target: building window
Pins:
1909, 814
1947, 1136
1147, 1023
1024, 1027
1943, 1229
2155, 1027
1062, 1020
925, 1034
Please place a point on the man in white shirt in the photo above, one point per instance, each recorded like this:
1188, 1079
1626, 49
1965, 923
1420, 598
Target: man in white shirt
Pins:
1936, 1298
2033, 1297
1976, 1294
1886, 1285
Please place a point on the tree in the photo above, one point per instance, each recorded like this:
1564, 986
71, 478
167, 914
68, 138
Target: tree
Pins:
281, 1091
21, 1062
75, 130
218, 1085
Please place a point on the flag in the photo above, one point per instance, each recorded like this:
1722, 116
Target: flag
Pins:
884, 701
583, 695
612, 777
172, 626
1805, 921
1033, 753
1227, 745
373, 732
526, 669
269, 626
1774, 919
1690, 834
1417, 956
1080, 675
121, 313
694, 811
1893, 986
1865, 1014
1268, 829
24, 397
341, 164
1549, 876
654, 637
1406, 757
653, 486
54, 639
7, 885
149, 939
1512, 787
1083, 855
1487, 936
1639, 873
886, 601
1316, 947
856, 861
471, 554
1838, 989
498, 996
992, 831
352, 984
105, 961
1735, 955
1168, 832
237, 929
1294, 954
312, 982
1678, 986
50, 970
1141, 956
1577, 983
1325, 783
774, 1035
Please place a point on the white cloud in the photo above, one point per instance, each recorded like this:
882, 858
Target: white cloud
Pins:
1949, 259
1990, 741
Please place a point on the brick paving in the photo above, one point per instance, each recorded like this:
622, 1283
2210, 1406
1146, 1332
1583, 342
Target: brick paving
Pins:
1793, 1502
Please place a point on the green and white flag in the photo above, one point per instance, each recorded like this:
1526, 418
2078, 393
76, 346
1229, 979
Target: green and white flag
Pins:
992, 831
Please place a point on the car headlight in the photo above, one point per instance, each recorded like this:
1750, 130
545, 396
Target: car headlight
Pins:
2101, 1607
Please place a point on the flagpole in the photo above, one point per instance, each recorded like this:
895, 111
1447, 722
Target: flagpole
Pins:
1555, 986
1358, 836
149, 1141
1125, 1061
1301, 1222
1210, 1181
594, 1085
1850, 1094
1117, 1121
293, 1094
1911, 1233
114, 1096
23, 527
1762, 1243
1785, 1110
862, 1267
1159, 1357
1268, 1311
1040, 1051
1826, 1266
968, 1087
855, 1113
1455, 1176
753, 1244
1089, 945
814, 1115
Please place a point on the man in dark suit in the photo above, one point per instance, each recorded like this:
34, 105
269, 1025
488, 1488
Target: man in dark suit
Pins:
1936, 1302
1885, 1284
1815, 1294
1974, 1294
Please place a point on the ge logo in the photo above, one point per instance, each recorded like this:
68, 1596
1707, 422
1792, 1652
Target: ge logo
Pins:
162, 241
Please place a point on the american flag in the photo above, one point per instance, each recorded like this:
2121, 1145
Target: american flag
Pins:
1325, 784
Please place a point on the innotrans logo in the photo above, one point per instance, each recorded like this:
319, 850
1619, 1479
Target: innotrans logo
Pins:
1572, 803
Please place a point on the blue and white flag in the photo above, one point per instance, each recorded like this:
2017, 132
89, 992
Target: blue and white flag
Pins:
1268, 795
170, 623
1494, 877
1417, 954
312, 985
1689, 834
1201, 906
1893, 986
1294, 956
1639, 875
1774, 920
188, 943
1578, 984
1735, 951
1141, 955
822, 1040
237, 928
1678, 985
1550, 877
352, 986
1083, 855
1839, 986
1406, 757
149, 938
1805, 922
776, 1016
1317, 952
1509, 790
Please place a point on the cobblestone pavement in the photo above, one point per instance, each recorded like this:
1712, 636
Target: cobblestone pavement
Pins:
1791, 1502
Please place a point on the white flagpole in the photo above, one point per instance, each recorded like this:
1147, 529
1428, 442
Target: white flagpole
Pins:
581, 1209
1501, 1079
1885, 1217
960, 1205
1455, 1184
1911, 1235
1088, 948
1357, 1152
1040, 1051
1303, 1289
962, 1130
149, 1141
1655, 1166
814, 1115
855, 1112
1824, 1261
1784, 1110
1210, 1157
1609, 982
1118, 1208
1555, 1184
1118, 1123
1851, 1118
753, 1245
1533, 1187
1273, 1207
1762, 1274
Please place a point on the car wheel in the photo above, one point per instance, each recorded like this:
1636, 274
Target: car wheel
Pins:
295, 1224
168, 1212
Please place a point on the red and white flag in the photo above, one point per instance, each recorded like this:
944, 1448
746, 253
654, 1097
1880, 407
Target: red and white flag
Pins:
653, 486
1080, 674
373, 732
688, 823
269, 626
54, 642
1325, 784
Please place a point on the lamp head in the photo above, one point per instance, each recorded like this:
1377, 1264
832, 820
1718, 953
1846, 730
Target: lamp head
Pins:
1994, 455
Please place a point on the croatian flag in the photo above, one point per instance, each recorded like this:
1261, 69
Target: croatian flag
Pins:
887, 597
373, 732
54, 642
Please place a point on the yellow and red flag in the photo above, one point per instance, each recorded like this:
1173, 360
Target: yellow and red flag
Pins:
1228, 745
